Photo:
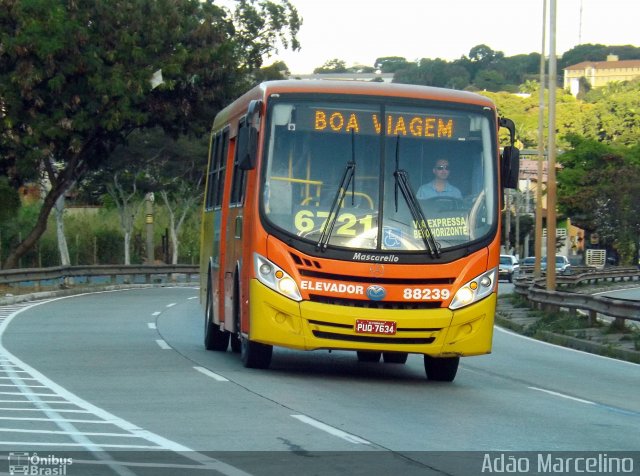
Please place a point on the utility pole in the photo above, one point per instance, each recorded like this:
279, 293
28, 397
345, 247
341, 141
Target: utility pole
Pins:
507, 221
537, 270
527, 211
518, 200
551, 172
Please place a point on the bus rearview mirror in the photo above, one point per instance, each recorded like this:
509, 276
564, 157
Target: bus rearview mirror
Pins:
510, 167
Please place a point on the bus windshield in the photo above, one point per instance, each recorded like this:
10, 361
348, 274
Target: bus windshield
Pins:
389, 176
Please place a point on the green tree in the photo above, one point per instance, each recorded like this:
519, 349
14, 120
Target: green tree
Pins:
571, 115
151, 162
332, 66
489, 80
615, 116
599, 189
277, 70
75, 77
597, 52
390, 64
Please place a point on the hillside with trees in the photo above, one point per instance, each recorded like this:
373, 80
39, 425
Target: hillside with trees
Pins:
78, 78
56, 75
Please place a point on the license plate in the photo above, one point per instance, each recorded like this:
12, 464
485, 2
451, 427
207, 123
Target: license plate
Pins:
365, 326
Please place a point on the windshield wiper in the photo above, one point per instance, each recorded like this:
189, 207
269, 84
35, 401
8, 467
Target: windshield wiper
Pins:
402, 184
348, 178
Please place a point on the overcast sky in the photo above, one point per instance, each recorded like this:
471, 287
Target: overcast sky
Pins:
359, 31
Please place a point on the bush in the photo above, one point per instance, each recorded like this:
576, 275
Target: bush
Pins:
94, 236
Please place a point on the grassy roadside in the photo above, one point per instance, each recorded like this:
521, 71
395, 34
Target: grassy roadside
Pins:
569, 330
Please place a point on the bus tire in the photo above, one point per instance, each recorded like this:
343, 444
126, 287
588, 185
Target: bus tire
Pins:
236, 343
395, 357
255, 355
368, 356
214, 338
441, 369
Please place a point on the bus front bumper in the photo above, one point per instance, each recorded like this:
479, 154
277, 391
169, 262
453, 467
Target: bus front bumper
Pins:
279, 321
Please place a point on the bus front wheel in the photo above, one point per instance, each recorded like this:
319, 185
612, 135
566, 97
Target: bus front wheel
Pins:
441, 369
255, 355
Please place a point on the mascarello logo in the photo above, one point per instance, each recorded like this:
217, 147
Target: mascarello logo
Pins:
376, 293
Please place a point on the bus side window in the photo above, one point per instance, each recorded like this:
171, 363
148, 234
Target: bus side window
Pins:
238, 181
221, 160
212, 179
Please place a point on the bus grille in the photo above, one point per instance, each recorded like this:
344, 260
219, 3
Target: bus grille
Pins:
374, 304
374, 339
312, 269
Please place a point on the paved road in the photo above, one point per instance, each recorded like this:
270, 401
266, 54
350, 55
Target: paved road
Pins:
109, 372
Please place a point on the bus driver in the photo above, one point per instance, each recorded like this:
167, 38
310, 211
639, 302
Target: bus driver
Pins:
439, 186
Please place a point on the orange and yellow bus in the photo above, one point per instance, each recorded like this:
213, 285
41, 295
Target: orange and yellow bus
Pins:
315, 234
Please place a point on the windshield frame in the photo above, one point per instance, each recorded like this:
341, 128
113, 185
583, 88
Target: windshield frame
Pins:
309, 246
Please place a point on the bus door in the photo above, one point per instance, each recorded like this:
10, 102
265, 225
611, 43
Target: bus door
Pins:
234, 226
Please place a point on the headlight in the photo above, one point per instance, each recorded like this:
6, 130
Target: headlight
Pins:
475, 290
275, 278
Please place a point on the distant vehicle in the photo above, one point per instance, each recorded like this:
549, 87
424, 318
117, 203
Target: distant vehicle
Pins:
508, 267
563, 266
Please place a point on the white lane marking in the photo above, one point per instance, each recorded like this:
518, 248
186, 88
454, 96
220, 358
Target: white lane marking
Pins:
331, 430
30, 394
157, 313
172, 304
151, 325
42, 410
69, 420
159, 441
211, 374
562, 395
56, 432
192, 297
163, 345
57, 402
109, 462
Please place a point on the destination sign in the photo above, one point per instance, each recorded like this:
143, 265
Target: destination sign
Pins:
395, 124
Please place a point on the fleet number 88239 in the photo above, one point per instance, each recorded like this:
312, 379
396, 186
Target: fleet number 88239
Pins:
426, 294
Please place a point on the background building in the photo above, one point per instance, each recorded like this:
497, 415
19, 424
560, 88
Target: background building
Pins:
599, 73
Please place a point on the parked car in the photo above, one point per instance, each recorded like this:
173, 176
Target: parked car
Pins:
508, 267
528, 261
563, 266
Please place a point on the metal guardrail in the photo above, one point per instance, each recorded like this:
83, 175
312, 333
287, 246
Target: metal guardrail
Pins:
532, 290
620, 309
58, 274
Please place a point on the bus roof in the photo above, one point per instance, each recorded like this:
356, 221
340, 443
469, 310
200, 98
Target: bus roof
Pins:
264, 90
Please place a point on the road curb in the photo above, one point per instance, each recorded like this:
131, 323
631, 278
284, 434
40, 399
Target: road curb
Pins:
54, 293
520, 320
